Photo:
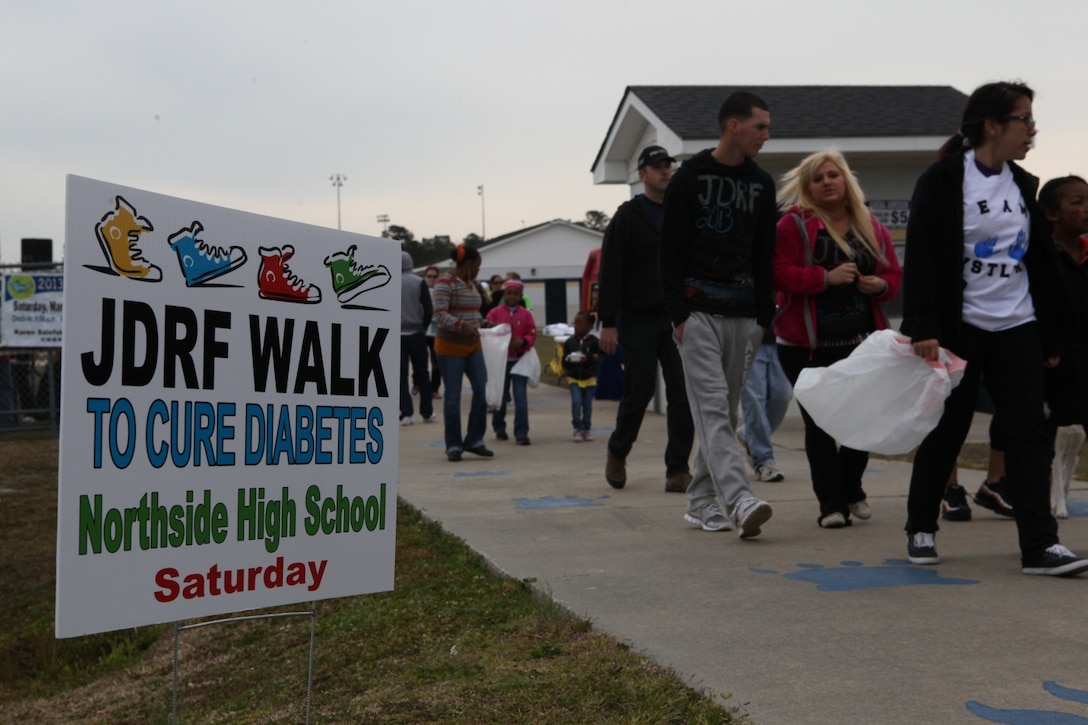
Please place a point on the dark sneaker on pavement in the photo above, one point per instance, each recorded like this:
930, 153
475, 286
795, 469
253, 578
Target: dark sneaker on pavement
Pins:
615, 470
954, 505
993, 497
1057, 561
708, 517
922, 548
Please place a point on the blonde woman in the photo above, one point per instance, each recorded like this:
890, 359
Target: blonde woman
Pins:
833, 266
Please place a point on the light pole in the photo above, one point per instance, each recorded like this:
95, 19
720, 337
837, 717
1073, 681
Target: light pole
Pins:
338, 181
383, 219
483, 216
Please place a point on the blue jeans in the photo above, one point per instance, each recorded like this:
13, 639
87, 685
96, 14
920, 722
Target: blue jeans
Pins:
519, 384
413, 348
645, 339
454, 369
764, 401
581, 407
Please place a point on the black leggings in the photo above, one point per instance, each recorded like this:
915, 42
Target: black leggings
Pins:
836, 470
1012, 363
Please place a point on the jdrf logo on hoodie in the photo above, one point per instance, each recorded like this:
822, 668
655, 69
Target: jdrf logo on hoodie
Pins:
720, 196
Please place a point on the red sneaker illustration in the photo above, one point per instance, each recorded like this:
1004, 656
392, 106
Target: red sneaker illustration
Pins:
117, 234
276, 281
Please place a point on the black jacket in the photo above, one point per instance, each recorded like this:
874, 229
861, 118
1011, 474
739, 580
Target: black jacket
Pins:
588, 367
1067, 384
933, 271
628, 277
717, 241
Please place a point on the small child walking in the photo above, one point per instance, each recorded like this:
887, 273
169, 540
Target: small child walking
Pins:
581, 358
522, 337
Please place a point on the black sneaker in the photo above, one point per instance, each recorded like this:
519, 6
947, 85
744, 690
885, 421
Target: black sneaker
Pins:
993, 497
1057, 561
501, 436
954, 504
922, 548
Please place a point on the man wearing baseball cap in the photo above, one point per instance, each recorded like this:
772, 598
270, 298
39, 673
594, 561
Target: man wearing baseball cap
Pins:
632, 312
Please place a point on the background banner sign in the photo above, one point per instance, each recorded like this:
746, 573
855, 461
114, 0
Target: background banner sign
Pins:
229, 411
31, 310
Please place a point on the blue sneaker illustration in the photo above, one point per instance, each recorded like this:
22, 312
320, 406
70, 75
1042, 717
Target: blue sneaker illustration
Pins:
201, 262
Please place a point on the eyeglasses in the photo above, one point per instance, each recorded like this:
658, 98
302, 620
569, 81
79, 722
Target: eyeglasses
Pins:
1027, 118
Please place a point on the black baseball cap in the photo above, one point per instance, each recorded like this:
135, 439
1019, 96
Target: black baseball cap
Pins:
652, 155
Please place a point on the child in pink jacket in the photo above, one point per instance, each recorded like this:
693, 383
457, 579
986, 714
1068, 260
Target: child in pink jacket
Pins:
522, 337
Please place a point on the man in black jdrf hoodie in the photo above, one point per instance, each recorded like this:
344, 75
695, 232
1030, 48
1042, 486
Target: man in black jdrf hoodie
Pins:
717, 247
632, 311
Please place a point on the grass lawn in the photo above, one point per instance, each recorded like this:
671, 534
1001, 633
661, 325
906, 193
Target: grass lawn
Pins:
452, 643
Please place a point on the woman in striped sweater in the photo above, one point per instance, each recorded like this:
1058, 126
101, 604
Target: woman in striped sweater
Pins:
458, 298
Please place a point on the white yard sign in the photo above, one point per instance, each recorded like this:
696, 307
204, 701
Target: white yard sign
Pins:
31, 310
228, 415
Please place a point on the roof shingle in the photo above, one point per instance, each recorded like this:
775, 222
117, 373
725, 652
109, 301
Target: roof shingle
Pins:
814, 111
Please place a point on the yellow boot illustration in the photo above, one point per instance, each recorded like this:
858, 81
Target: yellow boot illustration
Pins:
117, 234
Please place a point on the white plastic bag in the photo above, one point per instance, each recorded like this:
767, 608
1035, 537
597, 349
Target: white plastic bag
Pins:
496, 342
882, 398
529, 366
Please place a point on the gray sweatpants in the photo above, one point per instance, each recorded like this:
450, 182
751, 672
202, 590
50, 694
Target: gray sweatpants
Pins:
717, 354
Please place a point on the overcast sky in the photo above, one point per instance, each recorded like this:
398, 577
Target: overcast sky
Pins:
254, 104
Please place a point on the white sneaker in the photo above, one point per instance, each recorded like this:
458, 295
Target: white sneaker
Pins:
749, 515
768, 472
406, 421
833, 520
860, 510
431, 419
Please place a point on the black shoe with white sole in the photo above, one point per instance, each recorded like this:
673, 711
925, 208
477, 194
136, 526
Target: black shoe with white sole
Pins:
1057, 561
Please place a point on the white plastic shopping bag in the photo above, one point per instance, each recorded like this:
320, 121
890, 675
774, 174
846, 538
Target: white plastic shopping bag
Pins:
529, 366
882, 398
496, 341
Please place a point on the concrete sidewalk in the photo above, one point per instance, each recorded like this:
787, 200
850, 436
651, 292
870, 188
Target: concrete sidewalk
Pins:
803, 624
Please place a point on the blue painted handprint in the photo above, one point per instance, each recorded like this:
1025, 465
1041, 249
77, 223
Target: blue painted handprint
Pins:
985, 248
854, 575
1021, 247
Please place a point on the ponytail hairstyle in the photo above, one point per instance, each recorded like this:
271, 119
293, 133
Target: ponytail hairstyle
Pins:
797, 191
991, 101
463, 254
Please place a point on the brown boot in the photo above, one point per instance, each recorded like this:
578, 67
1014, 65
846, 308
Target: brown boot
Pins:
677, 482
615, 471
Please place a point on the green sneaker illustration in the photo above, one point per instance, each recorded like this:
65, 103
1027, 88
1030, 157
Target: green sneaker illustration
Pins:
350, 279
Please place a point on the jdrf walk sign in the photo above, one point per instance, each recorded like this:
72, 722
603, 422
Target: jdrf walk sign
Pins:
228, 415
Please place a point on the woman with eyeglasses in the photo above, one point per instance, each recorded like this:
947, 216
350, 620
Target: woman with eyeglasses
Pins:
979, 279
